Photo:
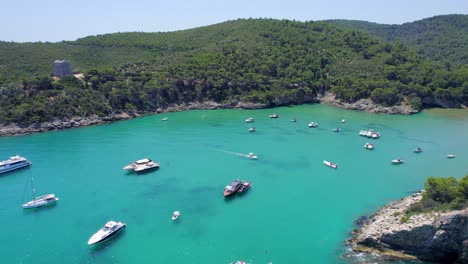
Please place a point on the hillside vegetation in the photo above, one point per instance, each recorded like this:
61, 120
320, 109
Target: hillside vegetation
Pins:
267, 61
440, 38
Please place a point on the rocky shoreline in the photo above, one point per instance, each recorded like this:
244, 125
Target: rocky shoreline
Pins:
437, 237
328, 98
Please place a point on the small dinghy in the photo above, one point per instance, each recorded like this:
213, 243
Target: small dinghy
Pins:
273, 116
330, 164
337, 129
369, 146
249, 120
164, 119
252, 129
293, 120
175, 215
398, 161
451, 156
343, 121
417, 150
249, 156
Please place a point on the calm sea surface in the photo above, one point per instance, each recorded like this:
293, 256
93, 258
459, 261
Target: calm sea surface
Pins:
298, 210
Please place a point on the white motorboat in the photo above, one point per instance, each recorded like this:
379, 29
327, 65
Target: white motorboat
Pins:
293, 120
397, 161
375, 135
175, 215
313, 124
343, 121
369, 146
330, 164
249, 120
252, 129
147, 167
451, 156
135, 164
362, 133
273, 116
337, 129
41, 201
249, 156
13, 163
165, 119
108, 230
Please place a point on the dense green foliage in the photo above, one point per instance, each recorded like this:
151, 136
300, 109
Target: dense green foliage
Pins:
440, 38
442, 194
267, 61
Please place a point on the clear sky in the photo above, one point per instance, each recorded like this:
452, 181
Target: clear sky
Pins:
56, 20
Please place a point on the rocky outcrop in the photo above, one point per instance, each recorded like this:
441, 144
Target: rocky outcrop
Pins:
366, 105
437, 237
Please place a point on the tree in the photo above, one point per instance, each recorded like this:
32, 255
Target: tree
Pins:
443, 190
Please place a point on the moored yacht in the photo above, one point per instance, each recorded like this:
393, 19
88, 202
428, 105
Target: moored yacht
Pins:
249, 120
108, 230
41, 201
273, 116
244, 187
451, 156
147, 167
313, 124
252, 129
164, 119
135, 164
13, 163
417, 150
232, 188
330, 164
397, 161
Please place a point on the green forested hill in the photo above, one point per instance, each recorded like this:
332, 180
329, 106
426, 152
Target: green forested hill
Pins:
440, 38
252, 60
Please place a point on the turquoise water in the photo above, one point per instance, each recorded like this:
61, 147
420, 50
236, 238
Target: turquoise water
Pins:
298, 210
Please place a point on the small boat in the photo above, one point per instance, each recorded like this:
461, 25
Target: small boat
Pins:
313, 124
252, 129
451, 156
249, 120
397, 161
244, 187
362, 133
343, 121
293, 120
369, 146
330, 164
375, 135
249, 156
175, 215
417, 150
273, 116
165, 119
232, 188
135, 164
108, 230
147, 167
337, 129
13, 163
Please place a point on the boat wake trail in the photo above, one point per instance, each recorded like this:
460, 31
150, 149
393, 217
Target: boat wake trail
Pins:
230, 152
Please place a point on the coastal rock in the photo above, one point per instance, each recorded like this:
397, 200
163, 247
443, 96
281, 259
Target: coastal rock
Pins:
366, 105
438, 237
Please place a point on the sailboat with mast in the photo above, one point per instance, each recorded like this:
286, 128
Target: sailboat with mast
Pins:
39, 201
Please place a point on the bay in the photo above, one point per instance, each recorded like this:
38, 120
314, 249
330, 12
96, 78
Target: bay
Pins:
298, 210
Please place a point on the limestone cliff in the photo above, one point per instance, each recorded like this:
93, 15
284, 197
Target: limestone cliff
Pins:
437, 237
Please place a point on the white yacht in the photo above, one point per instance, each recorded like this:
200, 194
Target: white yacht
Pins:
135, 164
108, 230
397, 161
41, 201
252, 129
13, 163
249, 120
164, 119
369, 146
147, 167
313, 124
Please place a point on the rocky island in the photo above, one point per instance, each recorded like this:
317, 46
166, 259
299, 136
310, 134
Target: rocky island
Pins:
432, 235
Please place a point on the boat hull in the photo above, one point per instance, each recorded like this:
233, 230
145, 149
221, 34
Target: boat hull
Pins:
107, 236
39, 203
329, 164
16, 167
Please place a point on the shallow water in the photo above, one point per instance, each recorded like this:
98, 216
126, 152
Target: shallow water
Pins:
298, 210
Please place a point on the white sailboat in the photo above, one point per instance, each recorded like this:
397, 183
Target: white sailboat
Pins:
39, 201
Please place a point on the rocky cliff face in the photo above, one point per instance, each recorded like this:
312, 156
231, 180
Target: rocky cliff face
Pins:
436, 237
